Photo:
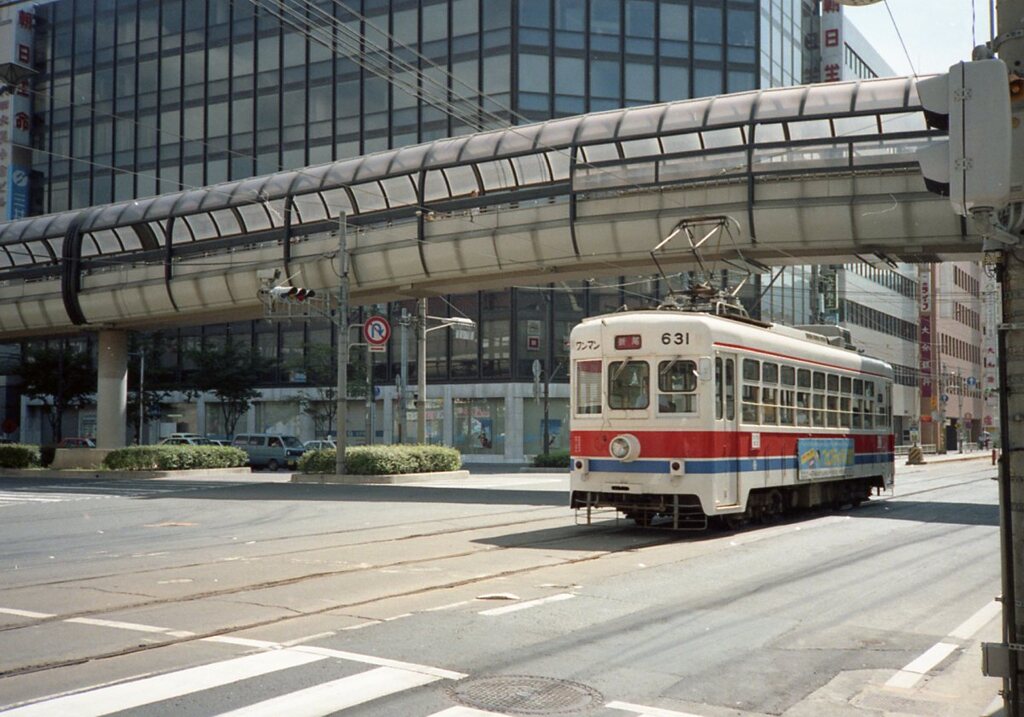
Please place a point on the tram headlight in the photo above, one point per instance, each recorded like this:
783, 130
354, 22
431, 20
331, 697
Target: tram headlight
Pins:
624, 447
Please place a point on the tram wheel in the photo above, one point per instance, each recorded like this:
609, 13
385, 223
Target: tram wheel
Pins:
642, 518
734, 521
775, 506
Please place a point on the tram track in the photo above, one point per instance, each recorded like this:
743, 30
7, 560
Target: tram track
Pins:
654, 540
277, 620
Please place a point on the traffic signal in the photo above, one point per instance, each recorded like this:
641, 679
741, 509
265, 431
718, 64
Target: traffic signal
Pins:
291, 293
972, 167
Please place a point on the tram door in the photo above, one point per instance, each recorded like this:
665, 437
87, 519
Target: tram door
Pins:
726, 445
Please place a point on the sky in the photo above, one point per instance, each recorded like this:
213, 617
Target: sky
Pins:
937, 32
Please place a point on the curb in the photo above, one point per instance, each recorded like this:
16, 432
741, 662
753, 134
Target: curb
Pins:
91, 474
332, 479
956, 459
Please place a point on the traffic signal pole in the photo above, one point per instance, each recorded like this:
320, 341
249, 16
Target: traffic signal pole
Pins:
1009, 46
341, 434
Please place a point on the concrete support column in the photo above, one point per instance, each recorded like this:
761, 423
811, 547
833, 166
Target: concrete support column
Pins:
112, 389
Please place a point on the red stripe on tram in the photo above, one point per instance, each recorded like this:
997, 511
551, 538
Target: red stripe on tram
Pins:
717, 444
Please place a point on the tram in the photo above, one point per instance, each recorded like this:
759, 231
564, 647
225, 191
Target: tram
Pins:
684, 417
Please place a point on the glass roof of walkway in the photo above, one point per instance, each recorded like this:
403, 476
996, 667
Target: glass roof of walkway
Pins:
809, 128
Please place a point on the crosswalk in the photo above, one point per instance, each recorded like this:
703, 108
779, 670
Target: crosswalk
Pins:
218, 689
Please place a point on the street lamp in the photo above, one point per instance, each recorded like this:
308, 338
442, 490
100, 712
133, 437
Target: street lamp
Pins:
461, 324
142, 396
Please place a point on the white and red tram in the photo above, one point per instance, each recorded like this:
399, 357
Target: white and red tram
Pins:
688, 416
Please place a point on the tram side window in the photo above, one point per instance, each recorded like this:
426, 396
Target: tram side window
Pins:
869, 404
730, 389
803, 397
857, 406
677, 387
588, 387
818, 399
749, 395
719, 383
845, 389
787, 396
882, 407
628, 384
832, 401
769, 393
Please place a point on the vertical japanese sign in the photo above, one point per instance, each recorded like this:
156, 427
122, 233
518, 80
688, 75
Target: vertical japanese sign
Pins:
924, 278
831, 41
16, 116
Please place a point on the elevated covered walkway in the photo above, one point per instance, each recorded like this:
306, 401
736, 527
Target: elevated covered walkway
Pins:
805, 174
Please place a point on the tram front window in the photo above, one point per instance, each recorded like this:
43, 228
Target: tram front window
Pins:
677, 387
628, 385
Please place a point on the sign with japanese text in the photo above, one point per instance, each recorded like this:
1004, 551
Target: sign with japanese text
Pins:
16, 115
831, 45
925, 322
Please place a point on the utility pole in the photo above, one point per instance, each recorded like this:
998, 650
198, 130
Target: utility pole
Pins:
1009, 45
341, 437
421, 372
142, 394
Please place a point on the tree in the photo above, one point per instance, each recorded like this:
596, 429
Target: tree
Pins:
62, 378
154, 394
231, 373
319, 402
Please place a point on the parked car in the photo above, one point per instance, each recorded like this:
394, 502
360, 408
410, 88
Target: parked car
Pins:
76, 442
270, 450
318, 445
186, 440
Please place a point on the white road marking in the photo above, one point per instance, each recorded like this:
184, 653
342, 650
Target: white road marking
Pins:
912, 673
93, 703
526, 605
915, 670
361, 625
331, 697
25, 613
449, 606
308, 638
118, 625
644, 711
379, 661
243, 642
978, 620
466, 712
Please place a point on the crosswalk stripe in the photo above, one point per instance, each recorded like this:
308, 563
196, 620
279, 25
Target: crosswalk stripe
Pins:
527, 605
336, 695
380, 661
466, 712
137, 693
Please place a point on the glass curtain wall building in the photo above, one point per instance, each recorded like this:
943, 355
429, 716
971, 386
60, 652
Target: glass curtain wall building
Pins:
139, 97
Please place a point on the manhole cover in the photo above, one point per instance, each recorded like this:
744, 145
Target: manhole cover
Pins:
524, 695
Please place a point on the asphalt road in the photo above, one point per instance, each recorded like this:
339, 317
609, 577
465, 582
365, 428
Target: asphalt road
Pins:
485, 598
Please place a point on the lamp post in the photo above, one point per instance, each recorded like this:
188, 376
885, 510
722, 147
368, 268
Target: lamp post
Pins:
141, 353
459, 322
341, 411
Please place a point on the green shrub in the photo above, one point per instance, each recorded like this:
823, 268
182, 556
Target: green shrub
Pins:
554, 459
167, 458
18, 455
384, 460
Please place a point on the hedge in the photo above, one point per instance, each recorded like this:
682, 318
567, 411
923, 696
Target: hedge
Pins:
554, 459
383, 460
18, 455
166, 458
